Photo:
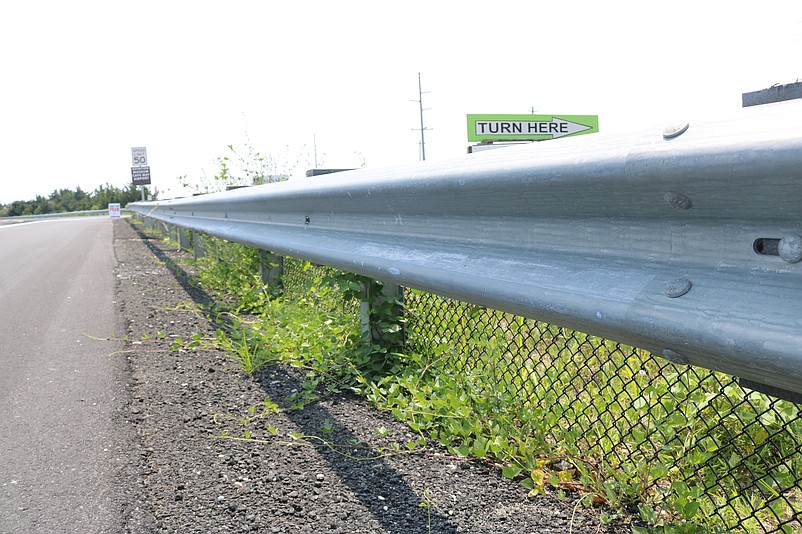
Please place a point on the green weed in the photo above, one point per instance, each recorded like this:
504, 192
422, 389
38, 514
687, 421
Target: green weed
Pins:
245, 348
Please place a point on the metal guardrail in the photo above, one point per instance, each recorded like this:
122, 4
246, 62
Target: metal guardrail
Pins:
61, 214
685, 242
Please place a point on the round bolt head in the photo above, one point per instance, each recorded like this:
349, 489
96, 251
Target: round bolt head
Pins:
677, 288
677, 201
790, 248
675, 130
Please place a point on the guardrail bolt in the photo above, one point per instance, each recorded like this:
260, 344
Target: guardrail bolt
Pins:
675, 130
790, 248
678, 201
677, 288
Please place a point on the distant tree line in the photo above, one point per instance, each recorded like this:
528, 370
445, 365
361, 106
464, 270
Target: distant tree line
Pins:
65, 200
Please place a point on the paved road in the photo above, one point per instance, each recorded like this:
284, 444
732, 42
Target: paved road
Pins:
61, 459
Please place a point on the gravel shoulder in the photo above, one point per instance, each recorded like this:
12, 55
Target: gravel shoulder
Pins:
191, 408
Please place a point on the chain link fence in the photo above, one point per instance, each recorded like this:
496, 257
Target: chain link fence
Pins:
735, 453
670, 437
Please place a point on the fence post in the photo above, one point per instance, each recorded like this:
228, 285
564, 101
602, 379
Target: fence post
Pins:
271, 269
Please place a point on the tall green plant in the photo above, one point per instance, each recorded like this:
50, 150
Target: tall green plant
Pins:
240, 167
232, 271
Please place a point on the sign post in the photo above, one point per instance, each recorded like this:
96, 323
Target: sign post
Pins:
140, 171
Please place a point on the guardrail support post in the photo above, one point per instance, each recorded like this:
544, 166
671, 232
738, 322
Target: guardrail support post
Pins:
382, 314
271, 269
184, 239
197, 245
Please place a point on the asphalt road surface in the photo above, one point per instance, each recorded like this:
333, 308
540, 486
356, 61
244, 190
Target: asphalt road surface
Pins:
62, 461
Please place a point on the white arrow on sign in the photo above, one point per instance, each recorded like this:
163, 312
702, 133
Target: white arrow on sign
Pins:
568, 127
556, 127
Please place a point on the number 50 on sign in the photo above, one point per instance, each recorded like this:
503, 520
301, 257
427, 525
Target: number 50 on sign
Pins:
139, 156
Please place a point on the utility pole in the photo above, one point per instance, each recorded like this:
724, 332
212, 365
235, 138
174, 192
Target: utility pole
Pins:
422, 128
314, 142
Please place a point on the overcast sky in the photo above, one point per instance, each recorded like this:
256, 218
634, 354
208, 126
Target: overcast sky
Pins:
83, 81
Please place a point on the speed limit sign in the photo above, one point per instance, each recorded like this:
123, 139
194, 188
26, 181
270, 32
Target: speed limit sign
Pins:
139, 156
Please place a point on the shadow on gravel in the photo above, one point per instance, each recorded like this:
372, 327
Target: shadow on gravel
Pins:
200, 297
367, 478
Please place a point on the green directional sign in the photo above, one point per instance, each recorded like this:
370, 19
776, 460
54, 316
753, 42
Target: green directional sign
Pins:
529, 127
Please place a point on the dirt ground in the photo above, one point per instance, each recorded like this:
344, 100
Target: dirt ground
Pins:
343, 477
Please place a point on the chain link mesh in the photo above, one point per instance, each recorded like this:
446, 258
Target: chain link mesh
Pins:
740, 450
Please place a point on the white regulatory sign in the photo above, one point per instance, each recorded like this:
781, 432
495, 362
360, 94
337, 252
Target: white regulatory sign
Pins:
114, 210
139, 156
